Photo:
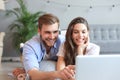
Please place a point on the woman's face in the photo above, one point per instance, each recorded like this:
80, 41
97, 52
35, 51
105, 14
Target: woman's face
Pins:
80, 34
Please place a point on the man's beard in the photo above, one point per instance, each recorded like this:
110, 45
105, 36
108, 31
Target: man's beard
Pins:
49, 43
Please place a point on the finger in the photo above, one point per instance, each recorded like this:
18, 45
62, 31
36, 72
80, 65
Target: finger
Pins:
87, 39
68, 72
64, 76
72, 67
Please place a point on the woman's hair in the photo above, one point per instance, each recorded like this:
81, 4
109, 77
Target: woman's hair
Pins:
69, 46
47, 19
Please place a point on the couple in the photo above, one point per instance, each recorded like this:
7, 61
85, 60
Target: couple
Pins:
48, 45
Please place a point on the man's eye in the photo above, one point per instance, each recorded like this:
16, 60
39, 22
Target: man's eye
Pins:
55, 31
47, 32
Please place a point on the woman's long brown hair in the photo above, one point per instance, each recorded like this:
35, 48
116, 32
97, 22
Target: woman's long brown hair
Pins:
69, 46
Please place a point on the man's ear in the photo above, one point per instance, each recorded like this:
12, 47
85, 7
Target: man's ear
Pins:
38, 31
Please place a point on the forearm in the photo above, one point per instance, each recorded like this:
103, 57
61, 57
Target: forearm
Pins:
60, 66
39, 75
60, 63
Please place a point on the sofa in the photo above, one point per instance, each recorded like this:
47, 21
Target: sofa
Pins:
107, 36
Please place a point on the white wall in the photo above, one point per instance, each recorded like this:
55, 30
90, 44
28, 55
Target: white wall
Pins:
102, 12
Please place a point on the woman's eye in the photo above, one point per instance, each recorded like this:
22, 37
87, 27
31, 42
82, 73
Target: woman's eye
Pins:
83, 32
75, 32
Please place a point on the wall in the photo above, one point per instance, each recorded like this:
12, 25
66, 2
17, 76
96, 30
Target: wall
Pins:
95, 11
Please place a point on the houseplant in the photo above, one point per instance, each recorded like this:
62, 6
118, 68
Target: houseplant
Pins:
25, 24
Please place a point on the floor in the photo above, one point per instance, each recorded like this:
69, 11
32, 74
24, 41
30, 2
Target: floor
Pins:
6, 69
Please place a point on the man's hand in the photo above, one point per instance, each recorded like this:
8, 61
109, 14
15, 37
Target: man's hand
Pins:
19, 73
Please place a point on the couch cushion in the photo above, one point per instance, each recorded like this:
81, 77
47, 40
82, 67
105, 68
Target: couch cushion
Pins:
105, 32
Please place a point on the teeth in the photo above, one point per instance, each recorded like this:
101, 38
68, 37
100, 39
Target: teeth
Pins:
80, 39
51, 41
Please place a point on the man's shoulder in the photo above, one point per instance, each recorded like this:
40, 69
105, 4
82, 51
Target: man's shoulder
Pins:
33, 44
35, 40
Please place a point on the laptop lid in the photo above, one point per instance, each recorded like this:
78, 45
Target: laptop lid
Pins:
102, 67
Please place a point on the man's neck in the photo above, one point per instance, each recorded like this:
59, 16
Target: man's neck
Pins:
48, 49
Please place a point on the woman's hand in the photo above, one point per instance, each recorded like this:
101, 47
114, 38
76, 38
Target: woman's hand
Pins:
67, 73
81, 48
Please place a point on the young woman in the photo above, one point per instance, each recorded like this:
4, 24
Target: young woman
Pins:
77, 43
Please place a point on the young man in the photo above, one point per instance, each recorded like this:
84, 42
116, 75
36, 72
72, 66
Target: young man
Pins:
44, 47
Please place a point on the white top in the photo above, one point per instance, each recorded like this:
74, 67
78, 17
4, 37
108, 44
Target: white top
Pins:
92, 49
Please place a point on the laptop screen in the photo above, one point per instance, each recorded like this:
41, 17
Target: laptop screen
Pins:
102, 67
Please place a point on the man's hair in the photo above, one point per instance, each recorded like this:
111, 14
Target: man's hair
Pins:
47, 19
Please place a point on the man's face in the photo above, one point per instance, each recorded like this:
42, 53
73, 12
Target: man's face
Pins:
49, 34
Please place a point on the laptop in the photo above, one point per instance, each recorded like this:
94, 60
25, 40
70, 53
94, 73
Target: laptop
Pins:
102, 67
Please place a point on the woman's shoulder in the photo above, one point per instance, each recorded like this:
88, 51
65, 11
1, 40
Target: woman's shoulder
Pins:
93, 45
93, 49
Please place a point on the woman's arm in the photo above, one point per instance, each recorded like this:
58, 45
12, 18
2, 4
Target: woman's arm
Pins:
60, 63
61, 66
63, 74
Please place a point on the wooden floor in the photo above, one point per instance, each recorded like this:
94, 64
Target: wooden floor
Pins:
6, 69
